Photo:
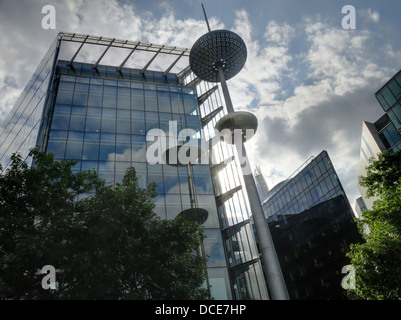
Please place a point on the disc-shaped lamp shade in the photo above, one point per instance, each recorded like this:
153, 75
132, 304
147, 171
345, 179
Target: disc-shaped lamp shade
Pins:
218, 48
195, 215
238, 120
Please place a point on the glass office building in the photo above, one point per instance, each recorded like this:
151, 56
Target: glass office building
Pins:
98, 100
312, 226
389, 97
382, 135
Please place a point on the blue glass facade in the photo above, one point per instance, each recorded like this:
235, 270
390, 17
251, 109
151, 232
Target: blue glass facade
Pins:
389, 97
102, 115
20, 130
312, 226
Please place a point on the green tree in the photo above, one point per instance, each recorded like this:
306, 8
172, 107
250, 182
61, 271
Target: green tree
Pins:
377, 261
109, 245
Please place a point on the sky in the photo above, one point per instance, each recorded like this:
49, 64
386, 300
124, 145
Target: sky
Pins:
309, 80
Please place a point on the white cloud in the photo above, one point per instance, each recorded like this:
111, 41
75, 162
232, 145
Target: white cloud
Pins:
310, 84
374, 16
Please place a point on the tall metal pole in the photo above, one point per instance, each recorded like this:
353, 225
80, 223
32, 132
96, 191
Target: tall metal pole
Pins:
216, 60
274, 276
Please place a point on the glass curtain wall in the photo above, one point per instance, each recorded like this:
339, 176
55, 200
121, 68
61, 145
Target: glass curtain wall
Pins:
245, 270
312, 226
105, 122
20, 130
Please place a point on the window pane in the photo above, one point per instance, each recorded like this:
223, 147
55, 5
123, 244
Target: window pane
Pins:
171, 181
137, 99
395, 89
89, 165
155, 175
61, 117
138, 148
150, 100
137, 123
164, 101
57, 143
202, 179
124, 98
91, 146
388, 96
190, 104
109, 97
173, 205
65, 92
176, 103
213, 247
107, 147
93, 119
165, 119
95, 95
208, 202
121, 168
123, 121
78, 115
396, 111
394, 119
123, 147
106, 171
108, 120
152, 121
382, 102
81, 94
74, 145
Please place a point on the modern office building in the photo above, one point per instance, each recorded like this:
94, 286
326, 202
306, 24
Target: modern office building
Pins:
382, 135
312, 226
101, 101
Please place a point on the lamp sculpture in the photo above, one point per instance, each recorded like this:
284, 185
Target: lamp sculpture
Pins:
217, 56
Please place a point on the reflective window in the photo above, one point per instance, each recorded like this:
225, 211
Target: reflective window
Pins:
124, 98
65, 92
108, 120
80, 94
137, 99
74, 145
91, 146
123, 147
93, 118
78, 117
137, 122
213, 247
138, 147
164, 101
61, 117
123, 121
155, 174
57, 143
107, 147
388, 96
109, 96
95, 95
150, 100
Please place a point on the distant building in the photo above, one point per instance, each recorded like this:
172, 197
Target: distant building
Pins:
312, 225
383, 135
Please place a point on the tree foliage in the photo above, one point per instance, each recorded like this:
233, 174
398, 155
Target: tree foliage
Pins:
377, 262
109, 245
